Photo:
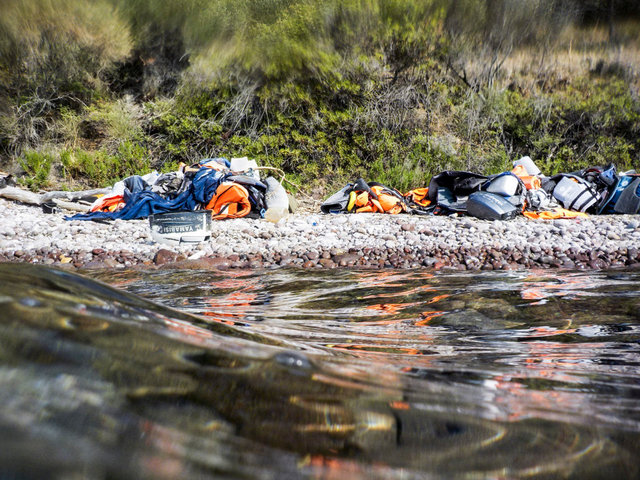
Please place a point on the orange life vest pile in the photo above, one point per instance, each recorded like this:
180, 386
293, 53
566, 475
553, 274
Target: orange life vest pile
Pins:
522, 190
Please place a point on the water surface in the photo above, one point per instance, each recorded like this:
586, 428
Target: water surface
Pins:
319, 374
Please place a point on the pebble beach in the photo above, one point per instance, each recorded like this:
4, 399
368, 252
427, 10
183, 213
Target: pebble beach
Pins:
312, 240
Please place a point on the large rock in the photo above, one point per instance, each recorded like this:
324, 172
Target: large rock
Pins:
163, 256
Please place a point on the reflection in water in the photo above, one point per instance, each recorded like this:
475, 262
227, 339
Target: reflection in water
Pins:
348, 374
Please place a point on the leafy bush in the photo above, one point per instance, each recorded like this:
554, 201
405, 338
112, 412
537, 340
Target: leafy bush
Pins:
101, 169
37, 166
53, 54
587, 123
118, 122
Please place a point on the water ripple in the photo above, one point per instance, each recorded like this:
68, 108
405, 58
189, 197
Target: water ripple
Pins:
337, 374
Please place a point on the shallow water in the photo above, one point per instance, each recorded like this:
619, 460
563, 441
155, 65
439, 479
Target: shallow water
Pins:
319, 374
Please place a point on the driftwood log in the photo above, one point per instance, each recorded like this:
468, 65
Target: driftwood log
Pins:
67, 200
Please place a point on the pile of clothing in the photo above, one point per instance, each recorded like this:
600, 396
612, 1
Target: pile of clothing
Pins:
523, 190
229, 189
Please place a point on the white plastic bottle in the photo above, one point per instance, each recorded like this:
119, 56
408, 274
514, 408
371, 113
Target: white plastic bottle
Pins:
528, 164
276, 199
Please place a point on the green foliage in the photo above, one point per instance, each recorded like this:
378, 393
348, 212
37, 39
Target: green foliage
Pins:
37, 166
52, 56
101, 169
183, 131
56, 44
587, 123
117, 121
68, 126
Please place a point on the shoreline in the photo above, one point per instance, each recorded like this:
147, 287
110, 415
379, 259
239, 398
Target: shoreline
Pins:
313, 240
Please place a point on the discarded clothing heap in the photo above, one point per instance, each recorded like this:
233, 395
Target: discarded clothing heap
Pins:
523, 190
230, 189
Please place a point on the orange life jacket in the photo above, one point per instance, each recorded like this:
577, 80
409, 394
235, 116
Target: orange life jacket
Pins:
231, 200
385, 203
419, 196
556, 213
531, 182
109, 204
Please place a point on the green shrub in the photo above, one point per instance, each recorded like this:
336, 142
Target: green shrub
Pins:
117, 121
588, 122
68, 126
101, 169
37, 166
53, 55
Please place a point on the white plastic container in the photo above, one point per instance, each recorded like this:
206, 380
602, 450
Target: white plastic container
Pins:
274, 215
276, 199
528, 164
175, 228
244, 166
505, 185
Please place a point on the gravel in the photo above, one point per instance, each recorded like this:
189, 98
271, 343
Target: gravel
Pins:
314, 240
